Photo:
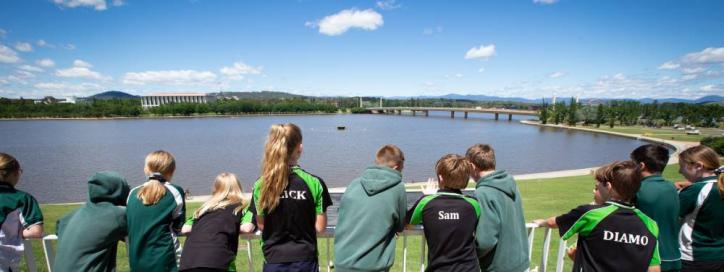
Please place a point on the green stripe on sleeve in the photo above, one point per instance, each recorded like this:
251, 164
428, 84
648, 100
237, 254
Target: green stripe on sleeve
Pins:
656, 258
650, 223
256, 195
416, 218
246, 216
315, 186
475, 203
589, 221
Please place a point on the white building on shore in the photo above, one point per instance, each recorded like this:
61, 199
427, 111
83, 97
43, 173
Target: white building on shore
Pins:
158, 99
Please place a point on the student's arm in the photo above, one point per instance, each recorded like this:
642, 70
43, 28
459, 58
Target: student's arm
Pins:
401, 210
410, 212
34, 231
547, 223
188, 226
247, 219
321, 224
33, 225
655, 268
260, 222
489, 225
687, 200
246, 228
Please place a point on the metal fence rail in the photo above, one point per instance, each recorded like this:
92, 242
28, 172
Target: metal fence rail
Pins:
326, 244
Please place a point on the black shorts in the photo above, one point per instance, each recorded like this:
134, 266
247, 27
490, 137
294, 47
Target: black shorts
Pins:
702, 266
305, 266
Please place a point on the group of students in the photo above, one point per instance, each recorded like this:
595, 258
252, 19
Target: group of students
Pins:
638, 220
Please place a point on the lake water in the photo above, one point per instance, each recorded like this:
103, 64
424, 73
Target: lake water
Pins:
58, 156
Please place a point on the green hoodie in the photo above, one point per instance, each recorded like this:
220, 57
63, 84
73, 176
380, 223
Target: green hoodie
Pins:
371, 211
501, 235
88, 236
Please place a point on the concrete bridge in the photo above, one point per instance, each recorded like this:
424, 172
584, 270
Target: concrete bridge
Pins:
426, 111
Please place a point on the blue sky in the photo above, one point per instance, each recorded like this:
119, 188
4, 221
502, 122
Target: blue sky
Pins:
527, 48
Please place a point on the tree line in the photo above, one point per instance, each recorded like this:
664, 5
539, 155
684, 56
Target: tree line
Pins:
629, 113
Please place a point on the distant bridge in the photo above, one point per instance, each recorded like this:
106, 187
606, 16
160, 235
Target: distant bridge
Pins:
426, 111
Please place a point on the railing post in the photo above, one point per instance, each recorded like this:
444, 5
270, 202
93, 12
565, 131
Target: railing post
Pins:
29, 256
561, 255
422, 252
49, 252
404, 252
249, 254
546, 249
329, 267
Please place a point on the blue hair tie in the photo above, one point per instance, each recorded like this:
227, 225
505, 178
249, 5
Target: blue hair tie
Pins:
719, 170
157, 176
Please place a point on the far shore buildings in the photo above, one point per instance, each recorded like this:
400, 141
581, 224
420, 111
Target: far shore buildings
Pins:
158, 99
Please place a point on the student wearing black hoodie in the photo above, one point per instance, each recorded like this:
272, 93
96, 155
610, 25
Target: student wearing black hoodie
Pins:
88, 236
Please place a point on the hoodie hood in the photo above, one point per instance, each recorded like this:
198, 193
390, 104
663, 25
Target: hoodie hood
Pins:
376, 179
108, 187
501, 181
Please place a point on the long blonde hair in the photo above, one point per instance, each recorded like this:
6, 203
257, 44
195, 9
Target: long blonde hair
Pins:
8, 166
708, 159
159, 168
227, 191
280, 146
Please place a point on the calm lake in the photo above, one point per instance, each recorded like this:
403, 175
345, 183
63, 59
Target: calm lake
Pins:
58, 156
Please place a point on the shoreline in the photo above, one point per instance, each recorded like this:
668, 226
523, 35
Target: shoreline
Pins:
169, 116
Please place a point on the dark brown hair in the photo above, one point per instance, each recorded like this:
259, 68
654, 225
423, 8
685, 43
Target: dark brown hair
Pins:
390, 155
455, 171
482, 156
625, 178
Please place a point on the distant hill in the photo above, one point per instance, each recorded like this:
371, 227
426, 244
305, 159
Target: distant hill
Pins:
113, 95
702, 100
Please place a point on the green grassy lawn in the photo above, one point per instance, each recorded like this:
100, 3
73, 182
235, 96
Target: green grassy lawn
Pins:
541, 198
665, 133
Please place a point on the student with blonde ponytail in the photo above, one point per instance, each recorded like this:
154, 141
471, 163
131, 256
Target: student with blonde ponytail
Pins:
702, 208
213, 232
290, 204
155, 213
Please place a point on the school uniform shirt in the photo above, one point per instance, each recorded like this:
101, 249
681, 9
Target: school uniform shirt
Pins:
152, 230
659, 200
289, 234
214, 239
611, 237
18, 211
449, 219
702, 234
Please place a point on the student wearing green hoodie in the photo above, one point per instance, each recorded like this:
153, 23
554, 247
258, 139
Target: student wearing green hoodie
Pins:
88, 236
501, 235
372, 211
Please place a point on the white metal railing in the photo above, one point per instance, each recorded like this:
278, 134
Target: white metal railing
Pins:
327, 237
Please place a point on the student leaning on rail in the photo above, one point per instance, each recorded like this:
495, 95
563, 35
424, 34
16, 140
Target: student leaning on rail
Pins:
702, 209
658, 199
20, 215
88, 236
501, 235
449, 218
614, 236
289, 203
371, 213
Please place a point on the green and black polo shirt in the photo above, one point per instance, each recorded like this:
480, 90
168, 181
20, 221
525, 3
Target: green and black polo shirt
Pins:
152, 230
702, 234
214, 239
611, 237
289, 234
18, 211
449, 219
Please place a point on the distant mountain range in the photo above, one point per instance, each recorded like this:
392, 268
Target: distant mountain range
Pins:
284, 95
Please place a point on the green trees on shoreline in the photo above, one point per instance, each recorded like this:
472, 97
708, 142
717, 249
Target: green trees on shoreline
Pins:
628, 113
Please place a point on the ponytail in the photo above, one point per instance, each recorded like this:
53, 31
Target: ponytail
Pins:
160, 166
278, 150
720, 180
709, 159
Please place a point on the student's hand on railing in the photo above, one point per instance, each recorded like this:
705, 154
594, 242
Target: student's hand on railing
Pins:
430, 187
539, 222
571, 252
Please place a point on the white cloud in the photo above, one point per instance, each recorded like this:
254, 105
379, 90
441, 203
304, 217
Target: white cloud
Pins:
432, 30
545, 2
170, 77
118, 3
693, 70
387, 4
669, 65
556, 74
24, 74
239, 69
69, 46
68, 89
482, 69
342, 21
96, 4
24, 47
707, 88
3, 32
47, 63
81, 69
482, 52
81, 63
8, 55
30, 68
708, 55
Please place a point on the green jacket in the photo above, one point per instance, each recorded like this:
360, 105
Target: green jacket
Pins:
501, 235
88, 236
371, 212
702, 234
659, 200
